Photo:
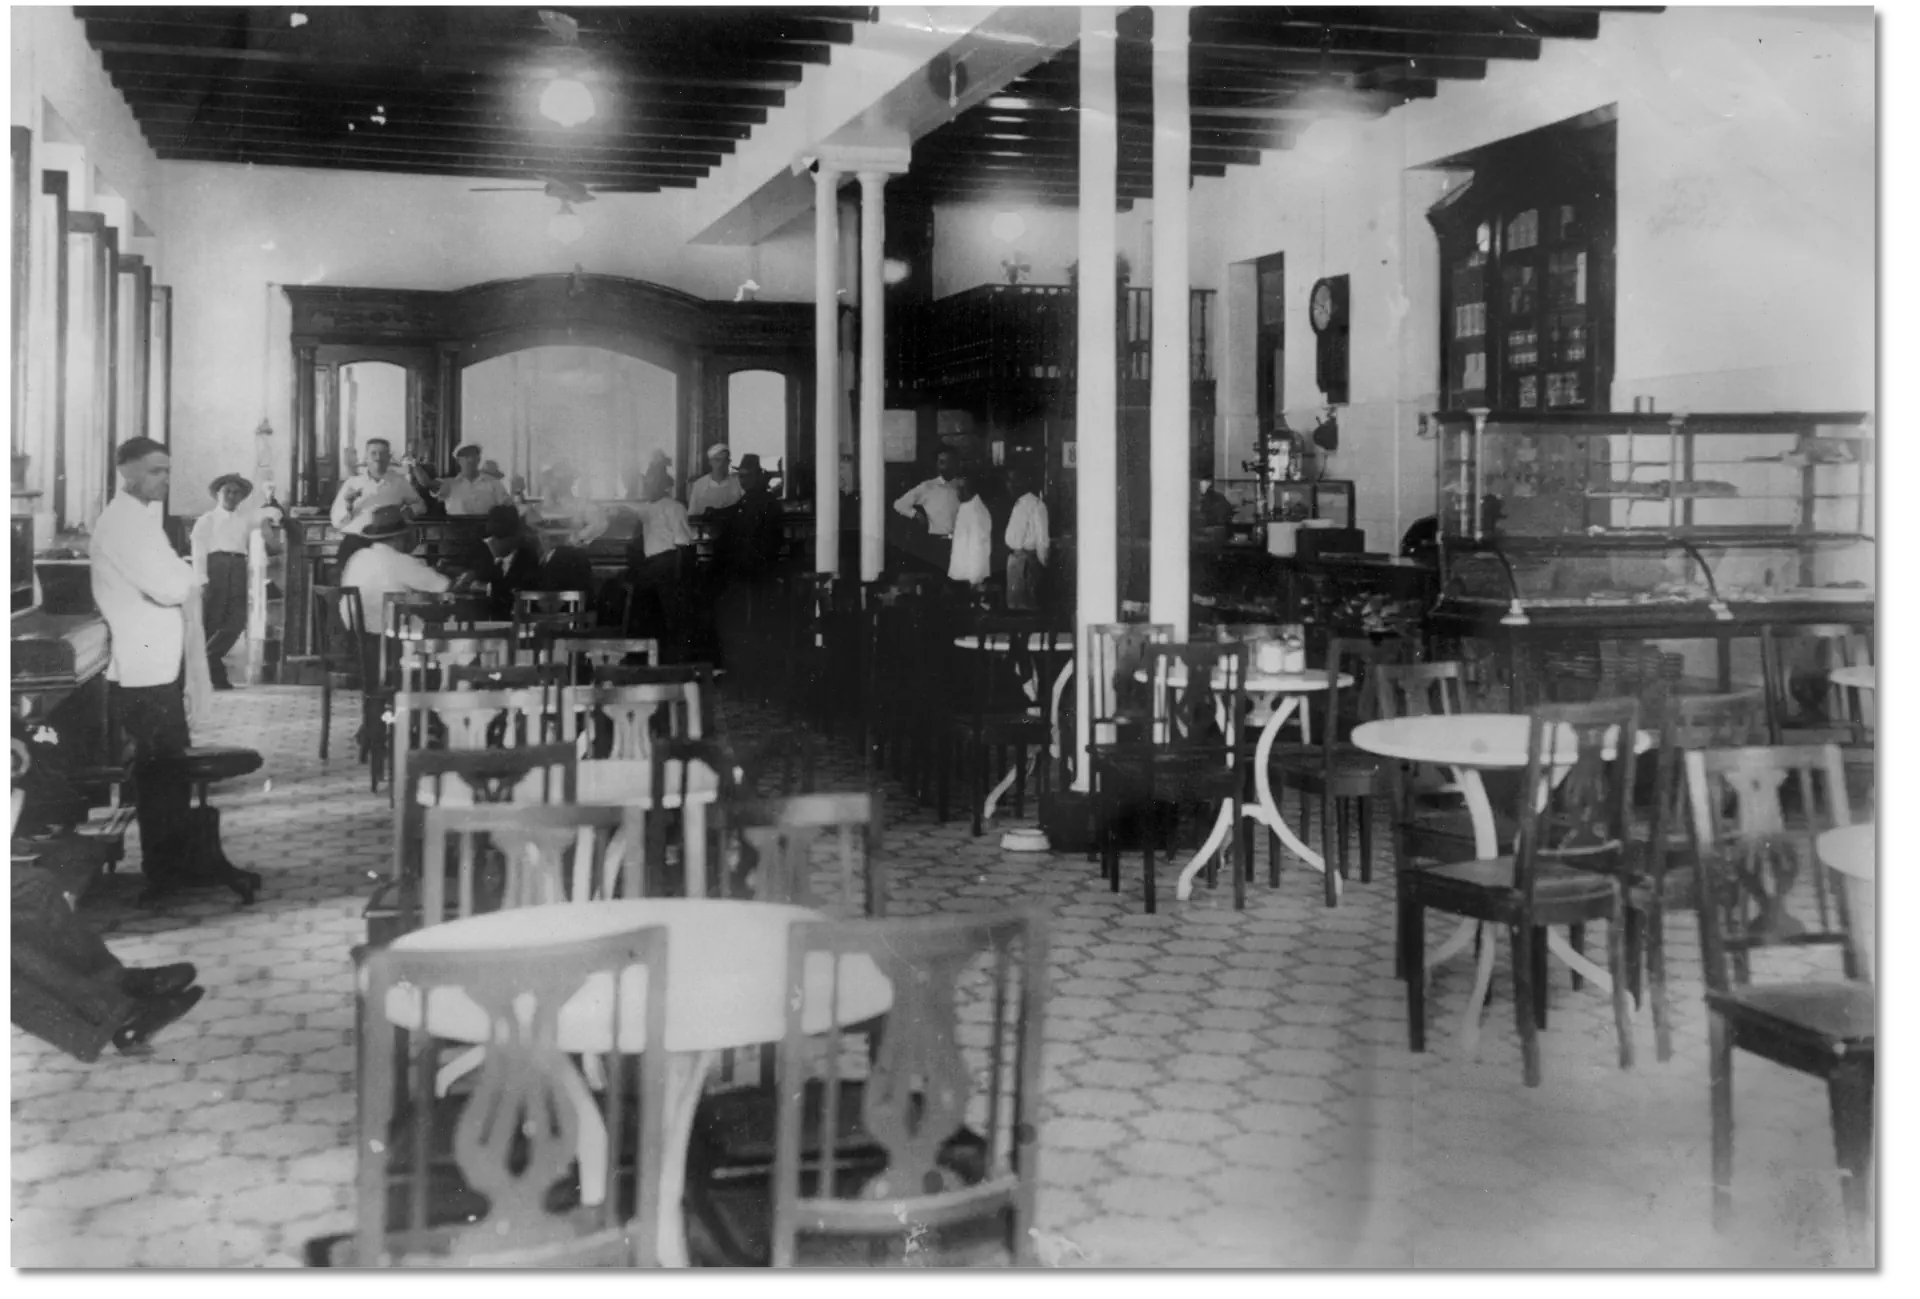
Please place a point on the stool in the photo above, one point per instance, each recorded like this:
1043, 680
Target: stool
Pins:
207, 862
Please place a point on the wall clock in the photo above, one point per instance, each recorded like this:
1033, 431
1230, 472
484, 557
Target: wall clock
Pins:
1327, 312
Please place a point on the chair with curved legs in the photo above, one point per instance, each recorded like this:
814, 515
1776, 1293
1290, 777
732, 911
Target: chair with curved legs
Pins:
1761, 886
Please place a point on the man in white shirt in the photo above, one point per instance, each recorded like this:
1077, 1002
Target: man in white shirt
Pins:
380, 483
142, 588
719, 489
470, 491
972, 560
1027, 543
385, 566
219, 545
940, 503
658, 555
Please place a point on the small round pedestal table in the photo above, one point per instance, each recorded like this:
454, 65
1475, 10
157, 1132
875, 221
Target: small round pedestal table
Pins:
1469, 743
727, 971
1276, 696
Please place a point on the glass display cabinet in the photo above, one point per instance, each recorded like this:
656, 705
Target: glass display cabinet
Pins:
1593, 530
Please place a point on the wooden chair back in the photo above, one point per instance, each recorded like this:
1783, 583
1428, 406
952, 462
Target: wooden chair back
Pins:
1759, 880
1794, 689
1689, 723
531, 774
1117, 650
509, 1185
419, 661
621, 722
536, 602
1418, 689
690, 777
1202, 705
587, 652
467, 720
1344, 708
340, 644
952, 1094
1021, 674
1576, 801
504, 856
777, 837
698, 677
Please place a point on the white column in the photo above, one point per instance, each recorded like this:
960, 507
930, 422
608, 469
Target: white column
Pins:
1171, 403
826, 370
1095, 423
873, 379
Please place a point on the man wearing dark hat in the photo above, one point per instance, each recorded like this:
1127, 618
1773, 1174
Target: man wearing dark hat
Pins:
469, 491
510, 562
219, 545
387, 565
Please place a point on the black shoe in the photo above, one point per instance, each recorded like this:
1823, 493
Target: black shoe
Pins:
159, 981
152, 1015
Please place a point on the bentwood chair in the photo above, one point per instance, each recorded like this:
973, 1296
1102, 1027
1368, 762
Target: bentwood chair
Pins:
1691, 723
996, 712
1575, 829
932, 1157
1118, 706
1189, 752
1344, 777
1763, 889
526, 1167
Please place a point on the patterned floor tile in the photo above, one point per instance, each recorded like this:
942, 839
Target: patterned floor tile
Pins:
1222, 1088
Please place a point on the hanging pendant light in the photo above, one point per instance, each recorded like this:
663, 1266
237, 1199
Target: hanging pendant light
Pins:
566, 227
567, 100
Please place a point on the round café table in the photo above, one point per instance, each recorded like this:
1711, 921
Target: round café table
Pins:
1849, 851
1061, 643
1276, 696
1469, 743
727, 971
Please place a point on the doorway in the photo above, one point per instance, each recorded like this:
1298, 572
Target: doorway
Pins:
1270, 341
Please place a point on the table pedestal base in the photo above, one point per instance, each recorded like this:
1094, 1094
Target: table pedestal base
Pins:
686, 1078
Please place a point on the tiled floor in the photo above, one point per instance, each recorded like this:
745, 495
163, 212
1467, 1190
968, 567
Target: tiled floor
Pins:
1222, 1089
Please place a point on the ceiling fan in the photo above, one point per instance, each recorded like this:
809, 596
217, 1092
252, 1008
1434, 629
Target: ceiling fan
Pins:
567, 191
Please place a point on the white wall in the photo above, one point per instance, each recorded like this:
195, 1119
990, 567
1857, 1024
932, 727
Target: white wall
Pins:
966, 252
1746, 226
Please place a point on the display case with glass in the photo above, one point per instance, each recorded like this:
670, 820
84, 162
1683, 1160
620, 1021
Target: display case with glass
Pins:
1603, 528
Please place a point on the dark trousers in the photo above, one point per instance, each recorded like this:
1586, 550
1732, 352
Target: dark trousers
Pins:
350, 544
225, 611
155, 719
66, 984
740, 616
657, 580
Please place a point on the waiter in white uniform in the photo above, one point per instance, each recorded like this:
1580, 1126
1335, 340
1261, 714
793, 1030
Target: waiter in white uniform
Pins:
380, 483
939, 500
149, 597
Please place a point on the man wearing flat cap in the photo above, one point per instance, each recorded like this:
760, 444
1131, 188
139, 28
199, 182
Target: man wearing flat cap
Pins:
718, 490
219, 546
470, 492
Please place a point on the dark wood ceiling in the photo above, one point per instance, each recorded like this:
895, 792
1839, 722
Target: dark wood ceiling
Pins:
454, 90
1257, 77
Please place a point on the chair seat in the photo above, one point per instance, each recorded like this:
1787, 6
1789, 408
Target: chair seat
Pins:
730, 1161
208, 763
1354, 769
1840, 1015
1484, 888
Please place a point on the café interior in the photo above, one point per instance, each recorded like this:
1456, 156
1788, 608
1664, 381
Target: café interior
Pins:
1452, 432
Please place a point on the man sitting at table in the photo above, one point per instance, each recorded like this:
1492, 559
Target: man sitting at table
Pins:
387, 565
509, 562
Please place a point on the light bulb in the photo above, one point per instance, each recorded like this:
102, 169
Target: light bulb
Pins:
1008, 227
566, 227
893, 270
567, 101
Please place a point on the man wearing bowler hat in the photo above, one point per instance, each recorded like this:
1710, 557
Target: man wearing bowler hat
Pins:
219, 545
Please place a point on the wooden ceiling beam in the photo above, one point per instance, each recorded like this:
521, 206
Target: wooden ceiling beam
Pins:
230, 127
355, 105
1568, 23
1247, 34
378, 147
596, 177
663, 129
129, 72
765, 75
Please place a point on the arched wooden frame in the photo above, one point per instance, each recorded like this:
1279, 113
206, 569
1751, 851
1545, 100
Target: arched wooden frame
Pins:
436, 335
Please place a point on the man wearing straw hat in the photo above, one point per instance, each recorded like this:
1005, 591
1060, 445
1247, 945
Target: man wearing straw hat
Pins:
220, 540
